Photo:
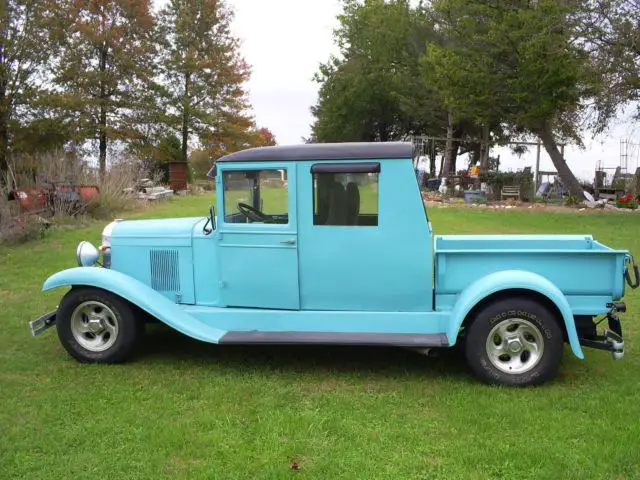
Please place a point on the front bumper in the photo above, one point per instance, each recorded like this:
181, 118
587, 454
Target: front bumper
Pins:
611, 339
43, 323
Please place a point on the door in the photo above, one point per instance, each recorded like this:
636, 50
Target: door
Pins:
258, 237
367, 243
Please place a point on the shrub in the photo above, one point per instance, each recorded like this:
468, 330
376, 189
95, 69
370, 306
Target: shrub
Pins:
22, 229
117, 192
55, 166
115, 186
15, 228
44, 169
496, 180
572, 201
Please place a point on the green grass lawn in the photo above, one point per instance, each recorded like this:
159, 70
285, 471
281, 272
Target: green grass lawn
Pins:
183, 409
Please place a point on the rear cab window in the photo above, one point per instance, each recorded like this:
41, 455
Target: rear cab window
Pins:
346, 194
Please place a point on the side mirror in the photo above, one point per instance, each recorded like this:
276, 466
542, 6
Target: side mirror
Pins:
212, 217
210, 221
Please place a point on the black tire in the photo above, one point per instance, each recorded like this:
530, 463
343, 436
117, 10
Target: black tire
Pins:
540, 327
129, 328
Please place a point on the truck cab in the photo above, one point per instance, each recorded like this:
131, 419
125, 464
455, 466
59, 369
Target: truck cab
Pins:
332, 244
345, 233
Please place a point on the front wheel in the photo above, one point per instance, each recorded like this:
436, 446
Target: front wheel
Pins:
96, 326
515, 342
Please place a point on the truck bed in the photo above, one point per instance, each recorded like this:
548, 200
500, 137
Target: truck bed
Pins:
585, 270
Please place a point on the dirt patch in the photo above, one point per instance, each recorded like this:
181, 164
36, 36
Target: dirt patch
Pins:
10, 295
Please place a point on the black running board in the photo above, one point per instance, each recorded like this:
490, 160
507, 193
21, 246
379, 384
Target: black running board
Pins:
337, 338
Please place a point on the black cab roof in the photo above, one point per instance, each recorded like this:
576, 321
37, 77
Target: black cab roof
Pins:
323, 151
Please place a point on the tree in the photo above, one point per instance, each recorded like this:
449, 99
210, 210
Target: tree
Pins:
151, 127
203, 74
516, 62
27, 42
610, 31
227, 133
263, 137
373, 91
106, 68
41, 135
201, 161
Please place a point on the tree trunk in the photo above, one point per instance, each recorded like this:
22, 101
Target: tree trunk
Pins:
102, 128
448, 149
432, 164
4, 131
383, 132
186, 103
477, 154
4, 147
4, 110
454, 157
102, 159
484, 150
483, 156
565, 173
476, 159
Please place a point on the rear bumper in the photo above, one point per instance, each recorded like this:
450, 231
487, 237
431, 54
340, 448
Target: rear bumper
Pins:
43, 323
611, 339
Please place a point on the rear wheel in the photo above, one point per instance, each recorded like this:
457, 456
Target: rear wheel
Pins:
515, 342
96, 326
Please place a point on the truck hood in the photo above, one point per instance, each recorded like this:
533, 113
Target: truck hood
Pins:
167, 232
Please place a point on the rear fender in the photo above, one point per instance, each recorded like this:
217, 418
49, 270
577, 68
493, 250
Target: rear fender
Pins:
138, 294
508, 280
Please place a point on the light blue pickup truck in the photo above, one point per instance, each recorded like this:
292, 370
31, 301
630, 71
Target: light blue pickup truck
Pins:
332, 244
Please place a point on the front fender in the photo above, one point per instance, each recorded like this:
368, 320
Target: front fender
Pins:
140, 295
507, 280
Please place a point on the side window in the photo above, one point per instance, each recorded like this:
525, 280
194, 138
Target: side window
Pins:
345, 194
256, 196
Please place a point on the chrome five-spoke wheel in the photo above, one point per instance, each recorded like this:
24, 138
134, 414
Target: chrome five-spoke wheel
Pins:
515, 345
94, 326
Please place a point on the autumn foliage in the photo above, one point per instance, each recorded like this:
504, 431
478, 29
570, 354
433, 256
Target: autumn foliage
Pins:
105, 64
264, 138
108, 77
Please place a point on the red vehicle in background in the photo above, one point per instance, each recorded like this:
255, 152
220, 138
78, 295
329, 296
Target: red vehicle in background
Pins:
52, 197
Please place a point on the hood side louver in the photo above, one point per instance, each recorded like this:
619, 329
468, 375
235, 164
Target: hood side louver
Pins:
165, 273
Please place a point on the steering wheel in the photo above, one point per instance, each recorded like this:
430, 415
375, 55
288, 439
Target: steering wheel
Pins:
253, 213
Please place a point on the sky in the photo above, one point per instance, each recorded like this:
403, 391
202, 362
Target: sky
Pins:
285, 41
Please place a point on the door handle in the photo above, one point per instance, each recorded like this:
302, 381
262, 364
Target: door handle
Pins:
288, 242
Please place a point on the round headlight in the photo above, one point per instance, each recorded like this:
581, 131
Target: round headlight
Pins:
86, 254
